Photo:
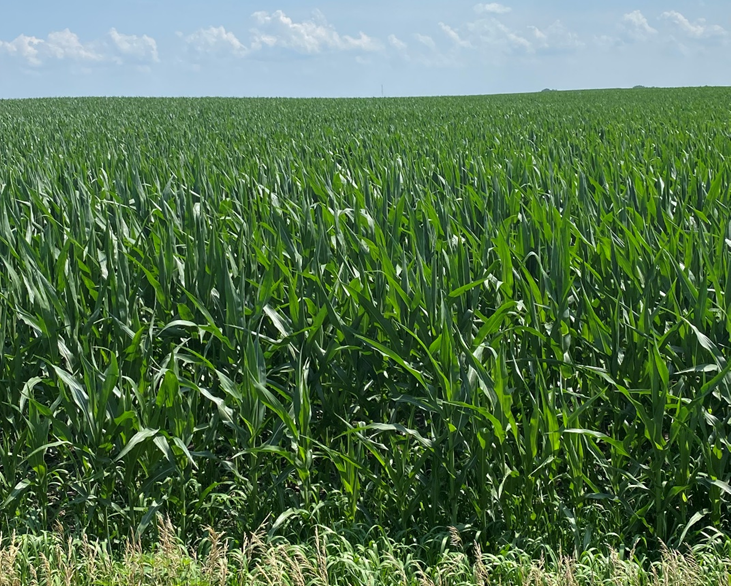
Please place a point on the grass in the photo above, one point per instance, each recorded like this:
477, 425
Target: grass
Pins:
505, 314
330, 559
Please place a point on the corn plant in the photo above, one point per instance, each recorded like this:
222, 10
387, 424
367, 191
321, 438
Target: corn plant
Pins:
504, 314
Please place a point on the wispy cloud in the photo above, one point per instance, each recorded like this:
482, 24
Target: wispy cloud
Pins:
492, 34
215, 41
488, 38
555, 38
671, 27
66, 45
637, 26
397, 43
141, 49
426, 51
425, 40
276, 29
696, 30
453, 35
492, 8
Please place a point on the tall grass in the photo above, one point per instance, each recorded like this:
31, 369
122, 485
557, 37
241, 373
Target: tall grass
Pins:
329, 559
504, 314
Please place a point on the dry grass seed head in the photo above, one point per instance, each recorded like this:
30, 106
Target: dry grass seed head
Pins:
424, 579
680, 569
8, 562
133, 562
167, 539
33, 575
271, 569
567, 571
47, 569
536, 574
482, 576
63, 556
253, 544
90, 556
451, 568
215, 567
455, 537
624, 571
321, 558
296, 562
389, 560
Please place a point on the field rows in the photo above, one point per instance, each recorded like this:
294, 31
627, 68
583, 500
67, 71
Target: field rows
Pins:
506, 314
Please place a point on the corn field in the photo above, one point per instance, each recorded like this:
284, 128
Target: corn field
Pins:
504, 314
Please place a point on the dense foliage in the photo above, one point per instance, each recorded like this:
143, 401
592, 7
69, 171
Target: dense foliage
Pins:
508, 314
329, 558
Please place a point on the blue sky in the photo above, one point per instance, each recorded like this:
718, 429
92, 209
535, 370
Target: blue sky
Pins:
349, 48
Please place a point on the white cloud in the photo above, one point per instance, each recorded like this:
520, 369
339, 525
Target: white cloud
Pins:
454, 36
215, 41
492, 39
397, 43
607, 41
493, 34
637, 26
276, 29
425, 40
66, 46
427, 52
697, 30
492, 8
142, 48
555, 38
24, 47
